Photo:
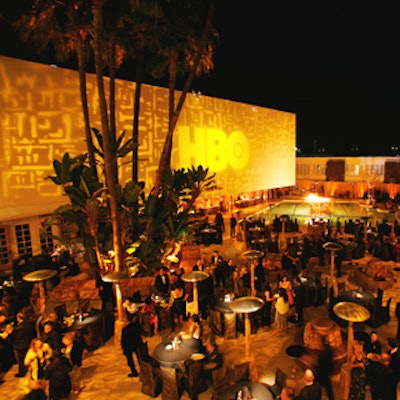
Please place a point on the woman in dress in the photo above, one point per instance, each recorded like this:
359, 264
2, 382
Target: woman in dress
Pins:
178, 306
358, 374
287, 285
282, 311
149, 309
73, 352
37, 357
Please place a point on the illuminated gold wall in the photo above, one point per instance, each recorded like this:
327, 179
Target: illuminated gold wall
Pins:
249, 148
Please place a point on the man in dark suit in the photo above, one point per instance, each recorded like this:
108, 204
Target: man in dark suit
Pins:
131, 340
394, 352
380, 378
162, 282
24, 332
312, 389
52, 337
216, 264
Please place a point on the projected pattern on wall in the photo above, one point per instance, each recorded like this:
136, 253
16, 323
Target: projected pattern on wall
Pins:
250, 148
41, 119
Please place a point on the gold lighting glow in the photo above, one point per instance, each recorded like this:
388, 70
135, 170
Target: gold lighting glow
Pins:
42, 120
313, 198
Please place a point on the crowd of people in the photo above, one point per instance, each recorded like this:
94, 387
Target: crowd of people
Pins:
50, 359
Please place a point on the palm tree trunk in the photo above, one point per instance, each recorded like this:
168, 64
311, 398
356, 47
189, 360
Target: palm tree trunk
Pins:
112, 70
85, 109
109, 155
136, 113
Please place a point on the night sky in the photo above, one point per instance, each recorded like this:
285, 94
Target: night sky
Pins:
335, 65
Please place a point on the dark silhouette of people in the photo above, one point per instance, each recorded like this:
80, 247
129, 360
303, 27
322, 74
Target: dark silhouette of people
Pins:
380, 379
312, 389
324, 370
131, 340
299, 298
397, 312
232, 226
162, 282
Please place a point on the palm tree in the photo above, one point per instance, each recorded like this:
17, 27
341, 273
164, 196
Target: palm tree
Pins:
181, 47
110, 164
87, 208
183, 37
65, 26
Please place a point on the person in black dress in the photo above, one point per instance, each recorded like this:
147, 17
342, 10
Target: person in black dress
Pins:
57, 373
299, 298
178, 306
131, 340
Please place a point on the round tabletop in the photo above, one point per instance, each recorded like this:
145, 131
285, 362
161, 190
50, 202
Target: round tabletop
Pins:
246, 304
169, 357
87, 319
224, 306
194, 276
116, 276
39, 275
350, 311
361, 297
253, 254
332, 246
257, 391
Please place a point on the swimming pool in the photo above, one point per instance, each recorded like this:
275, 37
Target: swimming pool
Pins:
305, 211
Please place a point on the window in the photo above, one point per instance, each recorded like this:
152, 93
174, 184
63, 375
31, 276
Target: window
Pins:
23, 239
4, 255
46, 240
